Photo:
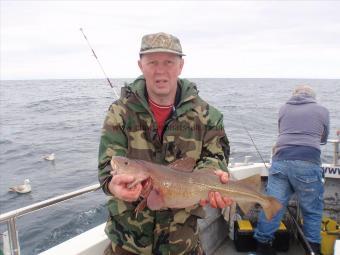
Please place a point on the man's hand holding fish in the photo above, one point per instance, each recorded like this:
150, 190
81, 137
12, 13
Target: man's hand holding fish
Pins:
119, 187
214, 198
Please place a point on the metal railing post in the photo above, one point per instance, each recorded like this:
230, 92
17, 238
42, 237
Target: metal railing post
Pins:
13, 237
336, 154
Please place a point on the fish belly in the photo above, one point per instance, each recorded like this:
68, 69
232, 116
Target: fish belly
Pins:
181, 196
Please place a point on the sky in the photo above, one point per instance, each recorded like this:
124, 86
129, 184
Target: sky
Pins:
221, 39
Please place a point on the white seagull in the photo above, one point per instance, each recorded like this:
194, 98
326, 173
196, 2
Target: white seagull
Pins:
50, 157
23, 188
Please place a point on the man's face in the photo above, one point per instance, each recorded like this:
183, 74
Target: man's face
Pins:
161, 71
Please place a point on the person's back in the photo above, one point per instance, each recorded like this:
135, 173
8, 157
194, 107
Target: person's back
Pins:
303, 125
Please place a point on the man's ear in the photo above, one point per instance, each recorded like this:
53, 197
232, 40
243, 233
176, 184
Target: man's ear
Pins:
182, 62
181, 65
140, 65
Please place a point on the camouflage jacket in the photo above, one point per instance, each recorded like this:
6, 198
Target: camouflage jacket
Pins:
195, 129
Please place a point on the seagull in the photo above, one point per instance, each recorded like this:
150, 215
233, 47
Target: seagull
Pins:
50, 157
23, 188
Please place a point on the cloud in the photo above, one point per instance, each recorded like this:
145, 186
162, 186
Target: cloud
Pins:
221, 39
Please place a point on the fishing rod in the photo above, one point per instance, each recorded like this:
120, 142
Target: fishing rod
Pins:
101, 67
251, 138
304, 240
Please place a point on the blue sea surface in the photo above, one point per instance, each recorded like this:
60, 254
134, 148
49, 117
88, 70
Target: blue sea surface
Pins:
65, 117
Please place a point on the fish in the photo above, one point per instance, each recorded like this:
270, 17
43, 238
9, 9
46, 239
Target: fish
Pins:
177, 186
22, 188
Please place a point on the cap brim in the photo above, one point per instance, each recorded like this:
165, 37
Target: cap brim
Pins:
161, 50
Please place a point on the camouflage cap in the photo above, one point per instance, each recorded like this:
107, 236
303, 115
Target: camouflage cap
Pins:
161, 42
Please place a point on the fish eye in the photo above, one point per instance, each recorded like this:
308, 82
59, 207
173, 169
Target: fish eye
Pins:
126, 163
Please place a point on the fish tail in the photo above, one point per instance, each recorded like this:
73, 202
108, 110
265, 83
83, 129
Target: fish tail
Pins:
271, 207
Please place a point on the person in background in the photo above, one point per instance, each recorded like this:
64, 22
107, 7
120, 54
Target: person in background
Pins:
159, 118
303, 125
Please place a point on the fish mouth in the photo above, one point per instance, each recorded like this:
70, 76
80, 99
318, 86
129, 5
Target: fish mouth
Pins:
114, 167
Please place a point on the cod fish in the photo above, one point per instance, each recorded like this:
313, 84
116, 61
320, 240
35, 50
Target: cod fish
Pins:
178, 186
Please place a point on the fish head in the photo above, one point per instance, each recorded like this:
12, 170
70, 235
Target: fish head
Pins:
123, 165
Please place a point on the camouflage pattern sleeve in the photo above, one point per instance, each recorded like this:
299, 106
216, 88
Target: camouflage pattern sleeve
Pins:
215, 149
113, 142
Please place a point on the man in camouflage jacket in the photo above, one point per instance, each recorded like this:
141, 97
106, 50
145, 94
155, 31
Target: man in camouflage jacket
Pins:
193, 129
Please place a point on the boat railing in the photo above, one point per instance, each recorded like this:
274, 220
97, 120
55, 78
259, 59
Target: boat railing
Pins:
10, 217
336, 151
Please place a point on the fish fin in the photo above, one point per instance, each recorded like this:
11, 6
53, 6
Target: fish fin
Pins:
144, 194
140, 207
155, 200
271, 208
147, 187
253, 181
185, 164
245, 206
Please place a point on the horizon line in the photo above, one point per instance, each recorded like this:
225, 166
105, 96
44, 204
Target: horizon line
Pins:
122, 78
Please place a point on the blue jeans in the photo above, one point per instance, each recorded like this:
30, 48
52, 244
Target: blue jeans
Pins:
303, 178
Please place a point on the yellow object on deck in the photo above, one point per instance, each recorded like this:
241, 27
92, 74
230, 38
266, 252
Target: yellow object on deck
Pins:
282, 226
330, 231
245, 225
